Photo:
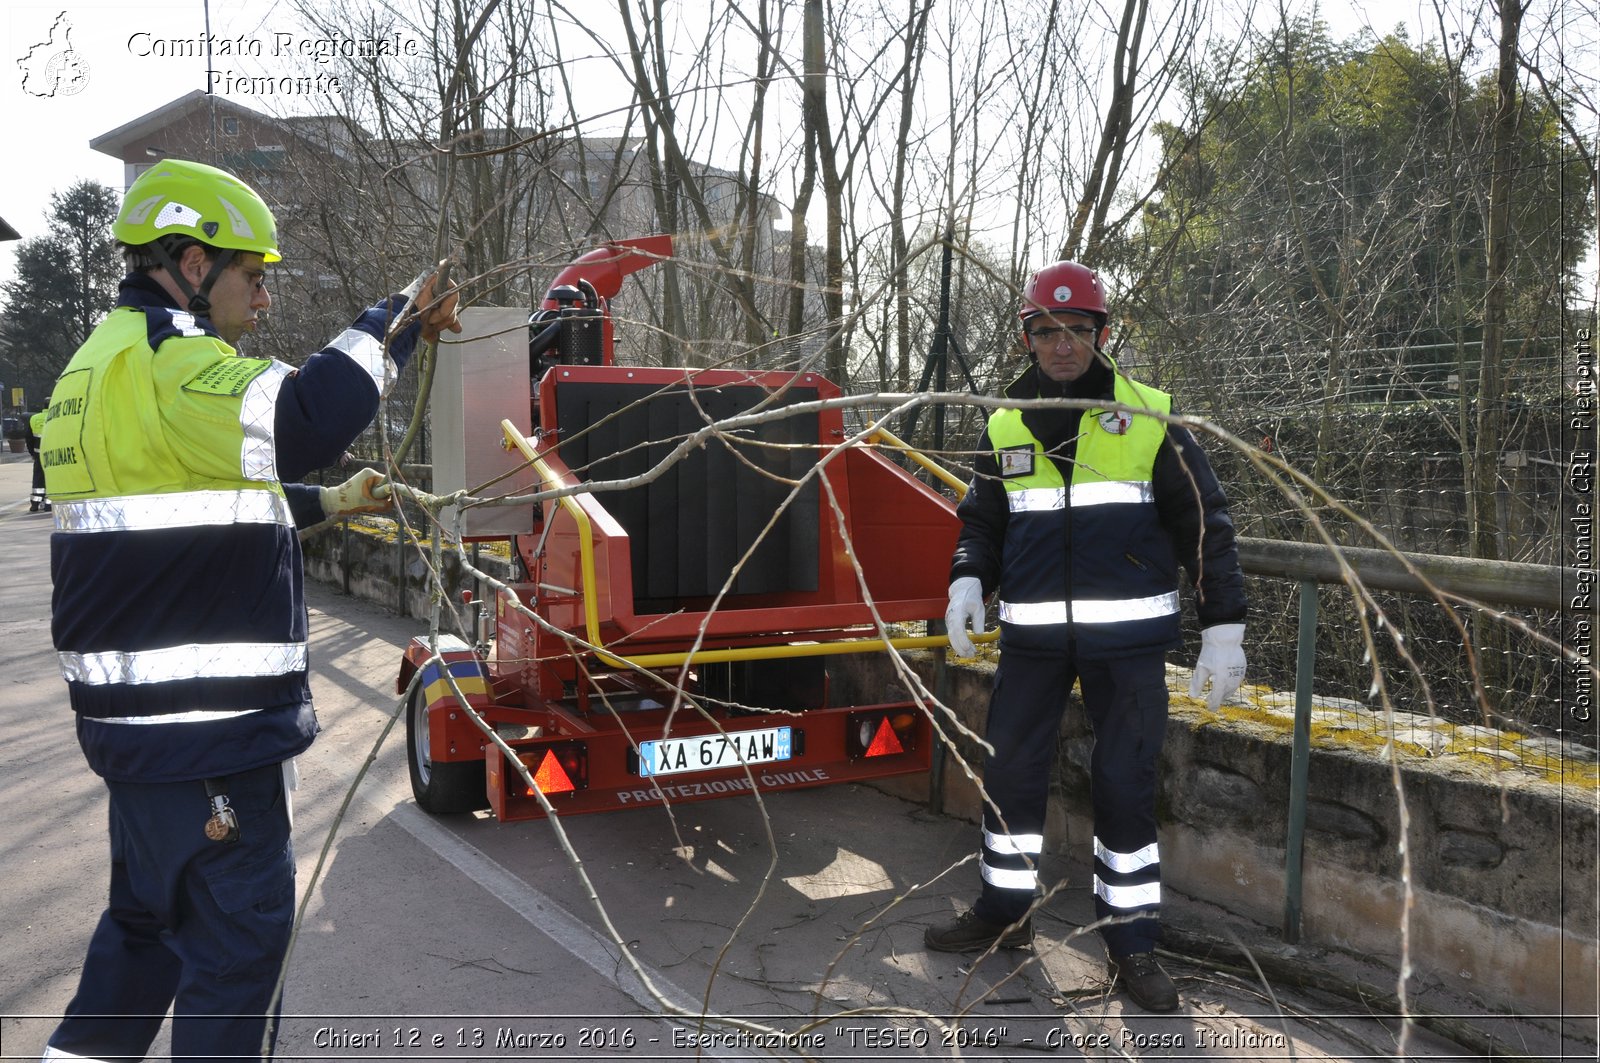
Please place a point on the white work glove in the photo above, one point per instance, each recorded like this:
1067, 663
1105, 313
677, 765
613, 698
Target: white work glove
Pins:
1221, 661
966, 607
367, 491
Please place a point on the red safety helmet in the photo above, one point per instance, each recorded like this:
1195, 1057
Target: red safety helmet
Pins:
1064, 286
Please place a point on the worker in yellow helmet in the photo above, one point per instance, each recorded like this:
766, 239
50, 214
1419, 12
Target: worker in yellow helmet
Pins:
178, 611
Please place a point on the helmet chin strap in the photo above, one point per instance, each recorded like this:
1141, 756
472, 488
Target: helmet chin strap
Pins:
197, 303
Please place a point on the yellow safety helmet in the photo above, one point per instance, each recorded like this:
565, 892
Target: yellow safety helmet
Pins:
178, 197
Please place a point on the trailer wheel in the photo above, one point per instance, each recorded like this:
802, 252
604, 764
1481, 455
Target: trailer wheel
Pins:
440, 787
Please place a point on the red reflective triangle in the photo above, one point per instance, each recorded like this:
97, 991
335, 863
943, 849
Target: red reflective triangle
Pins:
552, 778
885, 742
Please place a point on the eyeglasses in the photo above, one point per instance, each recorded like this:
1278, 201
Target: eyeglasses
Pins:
1057, 333
257, 279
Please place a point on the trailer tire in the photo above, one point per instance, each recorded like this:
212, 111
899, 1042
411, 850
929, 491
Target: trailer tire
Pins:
440, 787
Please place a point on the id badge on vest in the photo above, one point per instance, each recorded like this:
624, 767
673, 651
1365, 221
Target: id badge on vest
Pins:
1016, 461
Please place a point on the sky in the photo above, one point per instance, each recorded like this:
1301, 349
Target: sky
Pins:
120, 74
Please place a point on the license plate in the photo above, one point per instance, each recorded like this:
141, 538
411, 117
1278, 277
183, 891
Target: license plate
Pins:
670, 756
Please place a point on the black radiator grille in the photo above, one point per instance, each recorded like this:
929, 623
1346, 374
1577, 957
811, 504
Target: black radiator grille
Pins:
693, 523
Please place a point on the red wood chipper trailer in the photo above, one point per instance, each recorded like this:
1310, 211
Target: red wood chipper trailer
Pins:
678, 630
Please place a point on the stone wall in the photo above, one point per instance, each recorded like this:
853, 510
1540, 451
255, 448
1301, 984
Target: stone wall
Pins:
371, 559
1502, 850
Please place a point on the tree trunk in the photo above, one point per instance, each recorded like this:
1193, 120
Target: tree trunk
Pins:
1489, 637
1101, 185
799, 275
916, 38
1491, 413
820, 139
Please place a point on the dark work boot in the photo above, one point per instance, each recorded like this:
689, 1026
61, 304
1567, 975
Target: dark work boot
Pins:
969, 933
1150, 987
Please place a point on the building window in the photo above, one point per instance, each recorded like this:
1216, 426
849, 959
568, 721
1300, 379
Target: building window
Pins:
230, 127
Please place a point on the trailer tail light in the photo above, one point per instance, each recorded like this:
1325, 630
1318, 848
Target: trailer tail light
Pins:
557, 769
880, 734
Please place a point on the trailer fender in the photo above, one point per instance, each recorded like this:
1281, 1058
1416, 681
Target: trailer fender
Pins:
470, 675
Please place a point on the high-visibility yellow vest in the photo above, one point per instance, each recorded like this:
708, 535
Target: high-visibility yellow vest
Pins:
1087, 561
122, 422
178, 607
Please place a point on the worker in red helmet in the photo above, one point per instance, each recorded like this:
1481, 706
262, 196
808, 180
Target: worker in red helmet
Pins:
1078, 520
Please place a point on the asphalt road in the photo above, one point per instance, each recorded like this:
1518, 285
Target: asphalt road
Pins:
464, 938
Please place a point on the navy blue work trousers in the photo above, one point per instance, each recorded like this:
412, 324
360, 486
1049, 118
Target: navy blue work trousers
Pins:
1126, 702
192, 924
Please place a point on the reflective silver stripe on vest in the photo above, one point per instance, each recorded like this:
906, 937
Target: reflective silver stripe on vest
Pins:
184, 322
197, 716
1037, 499
1145, 896
1008, 878
51, 1052
366, 352
1122, 609
1033, 613
258, 413
1124, 863
1090, 611
180, 509
1112, 492
223, 660
1103, 493
1014, 844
